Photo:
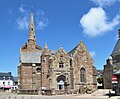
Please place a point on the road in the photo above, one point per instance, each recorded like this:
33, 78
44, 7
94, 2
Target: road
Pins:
49, 97
100, 94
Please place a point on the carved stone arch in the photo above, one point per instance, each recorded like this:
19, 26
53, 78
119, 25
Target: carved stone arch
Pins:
60, 82
61, 77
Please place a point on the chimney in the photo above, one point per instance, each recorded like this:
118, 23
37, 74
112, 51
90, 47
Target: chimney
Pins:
9, 73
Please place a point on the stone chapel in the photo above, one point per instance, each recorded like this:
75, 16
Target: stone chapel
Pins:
55, 72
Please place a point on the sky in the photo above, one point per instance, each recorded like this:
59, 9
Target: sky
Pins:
58, 23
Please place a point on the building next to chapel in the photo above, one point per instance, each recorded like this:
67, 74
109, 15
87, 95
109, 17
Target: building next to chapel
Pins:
58, 71
111, 73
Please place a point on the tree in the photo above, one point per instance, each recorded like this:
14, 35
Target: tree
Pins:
100, 79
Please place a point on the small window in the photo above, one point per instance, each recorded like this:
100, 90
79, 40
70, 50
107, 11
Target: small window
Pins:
4, 78
4, 83
61, 58
61, 65
8, 83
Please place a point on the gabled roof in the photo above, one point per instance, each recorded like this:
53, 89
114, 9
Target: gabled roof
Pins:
82, 46
116, 50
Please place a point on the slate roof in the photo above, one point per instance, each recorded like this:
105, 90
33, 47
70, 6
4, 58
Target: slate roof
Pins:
15, 79
53, 52
6, 76
73, 50
99, 72
117, 73
116, 50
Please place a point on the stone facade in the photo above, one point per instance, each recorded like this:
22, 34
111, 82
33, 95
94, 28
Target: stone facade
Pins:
112, 69
58, 71
107, 74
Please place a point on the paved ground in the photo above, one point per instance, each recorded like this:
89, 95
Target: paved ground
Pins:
99, 94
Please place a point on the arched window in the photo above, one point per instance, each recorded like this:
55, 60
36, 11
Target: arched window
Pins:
82, 75
61, 65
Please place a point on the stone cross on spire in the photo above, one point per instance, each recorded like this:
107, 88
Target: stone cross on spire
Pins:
32, 38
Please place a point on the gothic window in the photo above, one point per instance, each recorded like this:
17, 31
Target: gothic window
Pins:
70, 62
61, 65
82, 75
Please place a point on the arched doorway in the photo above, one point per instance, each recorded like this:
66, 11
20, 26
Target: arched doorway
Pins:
60, 82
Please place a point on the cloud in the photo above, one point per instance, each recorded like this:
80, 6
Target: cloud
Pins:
93, 54
41, 23
41, 20
24, 19
40, 12
22, 23
95, 22
22, 8
103, 3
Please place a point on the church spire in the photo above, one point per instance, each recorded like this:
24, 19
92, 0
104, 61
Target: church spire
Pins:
32, 37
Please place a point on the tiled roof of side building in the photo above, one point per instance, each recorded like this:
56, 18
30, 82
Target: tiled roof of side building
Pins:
116, 50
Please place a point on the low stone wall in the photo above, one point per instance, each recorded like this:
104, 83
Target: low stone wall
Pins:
30, 92
59, 92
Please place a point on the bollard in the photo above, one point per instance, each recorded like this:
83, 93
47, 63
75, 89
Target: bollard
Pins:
22, 97
15, 97
31, 97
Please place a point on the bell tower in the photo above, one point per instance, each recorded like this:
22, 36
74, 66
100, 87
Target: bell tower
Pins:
29, 68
